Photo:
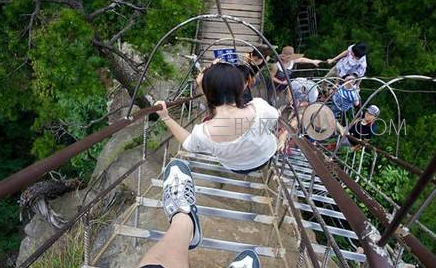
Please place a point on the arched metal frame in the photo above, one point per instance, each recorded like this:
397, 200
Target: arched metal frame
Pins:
380, 89
358, 114
217, 43
201, 17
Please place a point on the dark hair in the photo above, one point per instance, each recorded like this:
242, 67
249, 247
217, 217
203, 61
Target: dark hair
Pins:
264, 51
359, 50
223, 84
247, 72
353, 74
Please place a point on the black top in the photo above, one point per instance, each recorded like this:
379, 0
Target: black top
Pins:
363, 132
247, 96
256, 68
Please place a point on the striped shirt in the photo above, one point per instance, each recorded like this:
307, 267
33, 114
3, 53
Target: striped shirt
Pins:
344, 98
350, 65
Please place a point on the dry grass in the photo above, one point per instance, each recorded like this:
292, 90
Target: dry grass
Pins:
65, 253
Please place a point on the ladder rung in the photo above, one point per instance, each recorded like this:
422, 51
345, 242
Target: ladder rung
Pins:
322, 211
317, 227
297, 168
288, 173
206, 243
248, 216
198, 156
348, 255
223, 193
300, 163
306, 184
316, 197
207, 166
216, 212
241, 183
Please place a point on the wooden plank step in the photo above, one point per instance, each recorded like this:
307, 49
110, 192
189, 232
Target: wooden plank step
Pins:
238, 13
222, 28
220, 24
245, 19
245, 2
216, 36
241, 7
229, 43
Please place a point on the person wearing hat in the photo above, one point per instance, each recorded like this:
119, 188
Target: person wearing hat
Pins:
288, 58
346, 96
317, 123
363, 129
305, 91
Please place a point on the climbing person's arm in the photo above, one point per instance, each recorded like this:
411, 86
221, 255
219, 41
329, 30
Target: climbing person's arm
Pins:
283, 134
338, 57
178, 131
273, 72
309, 61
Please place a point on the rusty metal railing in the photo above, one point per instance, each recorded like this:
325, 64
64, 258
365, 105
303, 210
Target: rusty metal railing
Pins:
400, 232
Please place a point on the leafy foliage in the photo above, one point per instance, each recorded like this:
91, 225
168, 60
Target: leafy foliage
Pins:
51, 77
401, 41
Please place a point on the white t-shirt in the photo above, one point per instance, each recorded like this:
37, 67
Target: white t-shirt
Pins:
250, 150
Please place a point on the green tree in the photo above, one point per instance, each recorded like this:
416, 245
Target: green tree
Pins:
57, 59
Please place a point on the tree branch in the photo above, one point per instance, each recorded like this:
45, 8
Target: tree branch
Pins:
101, 11
113, 5
132, 22
71, 3
32, 21
117, 52
138, 8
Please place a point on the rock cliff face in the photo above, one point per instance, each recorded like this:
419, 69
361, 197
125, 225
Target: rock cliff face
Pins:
119, 154
115, 160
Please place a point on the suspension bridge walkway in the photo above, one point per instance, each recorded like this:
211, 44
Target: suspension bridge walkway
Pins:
296, 212
251, 11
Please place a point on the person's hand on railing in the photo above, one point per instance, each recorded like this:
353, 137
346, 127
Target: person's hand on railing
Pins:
281, 147
163, 113
316, 62
331, 61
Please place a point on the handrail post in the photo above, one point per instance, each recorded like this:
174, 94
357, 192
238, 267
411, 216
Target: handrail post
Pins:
420, 185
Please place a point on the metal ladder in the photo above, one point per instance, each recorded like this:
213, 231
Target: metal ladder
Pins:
325, 205
206, 169
306, 24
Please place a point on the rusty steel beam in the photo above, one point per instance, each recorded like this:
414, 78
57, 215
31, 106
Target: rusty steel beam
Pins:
376, 256
412, 243
34, 172
419, 187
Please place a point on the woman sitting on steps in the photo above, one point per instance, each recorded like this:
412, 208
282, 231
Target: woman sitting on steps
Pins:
240, 136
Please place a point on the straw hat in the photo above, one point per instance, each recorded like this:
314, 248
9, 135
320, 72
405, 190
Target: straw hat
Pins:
318, 121
288, 54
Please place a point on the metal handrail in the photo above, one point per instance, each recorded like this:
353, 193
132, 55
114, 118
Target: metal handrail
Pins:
34, 172
86, 208
402, 235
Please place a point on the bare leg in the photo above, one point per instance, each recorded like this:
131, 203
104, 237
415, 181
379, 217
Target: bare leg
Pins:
172, 250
